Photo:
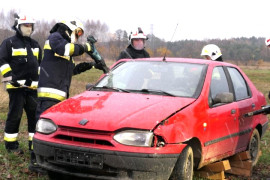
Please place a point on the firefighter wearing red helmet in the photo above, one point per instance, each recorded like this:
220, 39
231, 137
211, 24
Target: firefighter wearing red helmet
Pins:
20, 56
136, 47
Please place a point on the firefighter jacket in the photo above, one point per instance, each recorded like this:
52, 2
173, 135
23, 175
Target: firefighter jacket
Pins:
131, 53
20, 58
57, 68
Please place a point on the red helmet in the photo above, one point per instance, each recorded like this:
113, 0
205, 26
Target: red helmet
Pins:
267, 41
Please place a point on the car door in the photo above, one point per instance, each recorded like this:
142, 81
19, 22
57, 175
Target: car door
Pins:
222, 118
245, 104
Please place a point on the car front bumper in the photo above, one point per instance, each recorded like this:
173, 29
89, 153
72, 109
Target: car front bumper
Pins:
103, 164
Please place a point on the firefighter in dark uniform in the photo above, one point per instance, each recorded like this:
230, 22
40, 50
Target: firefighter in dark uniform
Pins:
20, 57
57, 66
136, 48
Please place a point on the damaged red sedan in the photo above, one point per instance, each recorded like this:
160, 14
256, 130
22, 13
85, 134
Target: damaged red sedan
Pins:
152, 119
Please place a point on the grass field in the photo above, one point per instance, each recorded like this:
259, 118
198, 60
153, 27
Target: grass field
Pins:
16, 167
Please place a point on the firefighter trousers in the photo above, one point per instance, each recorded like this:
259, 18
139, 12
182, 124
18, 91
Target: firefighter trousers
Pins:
19, 99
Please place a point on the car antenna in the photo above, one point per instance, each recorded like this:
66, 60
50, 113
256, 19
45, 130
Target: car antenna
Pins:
164, 58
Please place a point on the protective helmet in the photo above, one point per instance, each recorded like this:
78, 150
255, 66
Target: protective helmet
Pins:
267, 41
70, 30
212, 51
22, 19
137, 34
76, 28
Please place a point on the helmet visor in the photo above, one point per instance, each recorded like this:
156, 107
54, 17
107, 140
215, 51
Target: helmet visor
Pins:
78, 32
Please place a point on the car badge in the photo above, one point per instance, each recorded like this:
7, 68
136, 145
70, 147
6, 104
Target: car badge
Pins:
83, 122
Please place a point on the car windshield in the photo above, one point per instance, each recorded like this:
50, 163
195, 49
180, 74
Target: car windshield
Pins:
155, 77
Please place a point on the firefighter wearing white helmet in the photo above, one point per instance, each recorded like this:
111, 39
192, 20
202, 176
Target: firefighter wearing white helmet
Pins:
20, 56
136, 48
212, 52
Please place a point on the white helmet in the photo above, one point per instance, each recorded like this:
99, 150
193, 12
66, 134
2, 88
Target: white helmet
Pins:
137, 34
76, 27
267, 41
73, 25
23, 19
212, 51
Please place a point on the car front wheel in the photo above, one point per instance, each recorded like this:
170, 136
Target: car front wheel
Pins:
254, 147
184, 166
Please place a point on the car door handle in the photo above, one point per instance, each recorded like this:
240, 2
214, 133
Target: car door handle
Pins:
253, 105
233, 111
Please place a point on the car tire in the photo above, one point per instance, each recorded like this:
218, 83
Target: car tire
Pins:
184, 166
254, 147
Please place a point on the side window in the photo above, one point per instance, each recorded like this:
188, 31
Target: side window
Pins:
239, 84
219, 83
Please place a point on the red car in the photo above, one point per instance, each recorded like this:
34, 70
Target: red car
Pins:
152, 119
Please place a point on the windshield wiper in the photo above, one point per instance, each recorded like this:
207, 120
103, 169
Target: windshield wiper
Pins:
113, 88
156, 92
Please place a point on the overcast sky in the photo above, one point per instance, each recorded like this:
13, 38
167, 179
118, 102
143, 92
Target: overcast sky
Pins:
194, 19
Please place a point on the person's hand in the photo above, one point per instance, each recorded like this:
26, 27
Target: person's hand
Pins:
84, 66
28, 82
98, 66
15, 84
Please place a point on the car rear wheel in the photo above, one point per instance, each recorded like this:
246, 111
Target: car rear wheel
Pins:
184, 166
254, 147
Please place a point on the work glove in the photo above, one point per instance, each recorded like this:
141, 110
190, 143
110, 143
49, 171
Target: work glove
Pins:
13, 81
269, 95
87, 47
28, 82
99, 66
81, 67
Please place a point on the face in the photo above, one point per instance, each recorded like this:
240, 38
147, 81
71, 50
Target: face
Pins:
26, 29
76, 34
207, 57
138, 44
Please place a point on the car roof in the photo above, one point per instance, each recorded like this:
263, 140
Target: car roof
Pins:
185, 60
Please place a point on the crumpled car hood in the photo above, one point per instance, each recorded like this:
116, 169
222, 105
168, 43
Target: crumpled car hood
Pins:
110, 111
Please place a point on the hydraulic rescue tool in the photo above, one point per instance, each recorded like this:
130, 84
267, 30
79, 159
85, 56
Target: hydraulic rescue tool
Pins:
95, 54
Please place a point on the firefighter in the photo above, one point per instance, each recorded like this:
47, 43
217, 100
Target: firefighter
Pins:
136, 48
57, 66
211, 52
20, 56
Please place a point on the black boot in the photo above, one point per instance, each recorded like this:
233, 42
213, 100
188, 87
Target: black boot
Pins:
13, 147
33, 166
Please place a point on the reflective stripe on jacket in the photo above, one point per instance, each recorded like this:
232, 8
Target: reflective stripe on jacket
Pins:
20, 57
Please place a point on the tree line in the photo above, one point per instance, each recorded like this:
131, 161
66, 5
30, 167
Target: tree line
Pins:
111, 44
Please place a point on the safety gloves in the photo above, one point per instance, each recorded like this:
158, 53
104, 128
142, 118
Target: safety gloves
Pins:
81, 67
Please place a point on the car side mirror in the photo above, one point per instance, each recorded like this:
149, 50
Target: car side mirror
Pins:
225, 97
89, 86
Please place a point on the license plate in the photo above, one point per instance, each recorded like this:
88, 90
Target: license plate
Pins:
79, 158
